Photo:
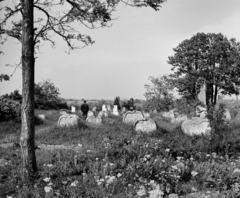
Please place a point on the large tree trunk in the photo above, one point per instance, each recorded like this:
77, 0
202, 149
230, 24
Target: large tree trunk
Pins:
27, 138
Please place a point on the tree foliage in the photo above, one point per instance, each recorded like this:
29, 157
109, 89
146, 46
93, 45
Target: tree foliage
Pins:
46, 96
210, 58
159, 94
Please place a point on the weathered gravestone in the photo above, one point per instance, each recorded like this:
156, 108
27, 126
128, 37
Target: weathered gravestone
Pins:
104, 108
115, 110
146, 125
68, 120
90, 113
202, 94
131, 117
73, 109
196, 126
94, 120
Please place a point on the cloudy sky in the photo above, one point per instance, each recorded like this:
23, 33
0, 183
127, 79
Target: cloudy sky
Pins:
136, 46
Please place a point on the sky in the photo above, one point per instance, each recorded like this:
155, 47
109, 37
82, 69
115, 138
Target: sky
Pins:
125, 55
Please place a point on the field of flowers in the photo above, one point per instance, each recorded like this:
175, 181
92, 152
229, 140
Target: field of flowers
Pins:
113, 160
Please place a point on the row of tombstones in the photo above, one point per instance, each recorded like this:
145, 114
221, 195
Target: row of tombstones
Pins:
141, 122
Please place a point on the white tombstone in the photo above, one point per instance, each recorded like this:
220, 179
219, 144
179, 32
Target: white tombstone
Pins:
73, 109
202, 94
104, 108
115, 110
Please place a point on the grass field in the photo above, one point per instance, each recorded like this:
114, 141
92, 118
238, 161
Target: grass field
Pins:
112, 160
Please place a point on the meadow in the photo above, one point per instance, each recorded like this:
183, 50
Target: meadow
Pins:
112, 160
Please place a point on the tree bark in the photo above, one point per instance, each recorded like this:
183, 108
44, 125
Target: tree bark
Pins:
27, 138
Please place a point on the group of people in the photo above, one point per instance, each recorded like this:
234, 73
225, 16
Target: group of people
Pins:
128, 105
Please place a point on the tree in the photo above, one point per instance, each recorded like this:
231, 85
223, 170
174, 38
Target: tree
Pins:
207, 58
159, 94
54, 17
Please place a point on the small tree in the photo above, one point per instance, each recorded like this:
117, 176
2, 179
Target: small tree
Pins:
159, 94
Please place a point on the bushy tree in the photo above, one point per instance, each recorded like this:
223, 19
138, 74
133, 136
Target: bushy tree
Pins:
46, 96
210, 58
159, 94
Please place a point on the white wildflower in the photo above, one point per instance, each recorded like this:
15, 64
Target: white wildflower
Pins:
141, 191
194, 173
167, 150
119, 175
110, 180
148, 156
74, 184
47, 179
80, 145
47, 189
49, 165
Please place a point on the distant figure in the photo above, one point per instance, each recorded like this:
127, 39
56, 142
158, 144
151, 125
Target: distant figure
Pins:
131, 104
84, 109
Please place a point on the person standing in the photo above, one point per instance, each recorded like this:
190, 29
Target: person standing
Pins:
84, 109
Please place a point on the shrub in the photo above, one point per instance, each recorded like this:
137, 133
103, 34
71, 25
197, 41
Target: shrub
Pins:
10, 110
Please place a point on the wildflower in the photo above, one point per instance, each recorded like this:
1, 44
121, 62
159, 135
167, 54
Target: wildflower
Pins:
141, 191
74, 184
152, 182
96, 159
9, 196
167, 150
156, 193
64, 182
47, 189
174, 167
207, 155
80, 145
111, 164
119, 175
47, 179
110, 180
148, 156
236, 170
88, 151
191, 158
214, 155
179, 158
49, 165
49, 184
129, 185
194, 173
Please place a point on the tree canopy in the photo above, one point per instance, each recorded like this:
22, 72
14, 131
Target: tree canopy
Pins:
210, 58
